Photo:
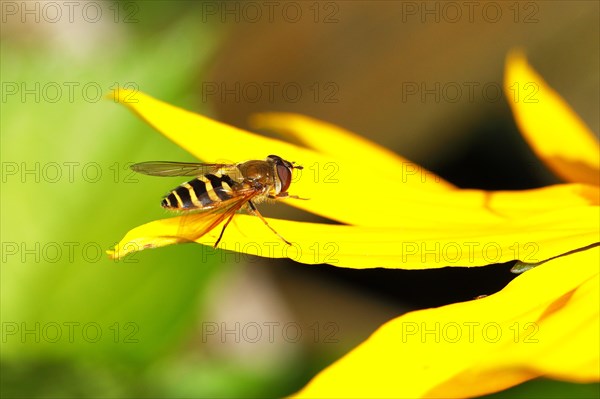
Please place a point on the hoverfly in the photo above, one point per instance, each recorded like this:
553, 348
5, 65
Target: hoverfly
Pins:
220, 190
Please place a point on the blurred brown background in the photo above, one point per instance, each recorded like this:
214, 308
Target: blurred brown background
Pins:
375, 51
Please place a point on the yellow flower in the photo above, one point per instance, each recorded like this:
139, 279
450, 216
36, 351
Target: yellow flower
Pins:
417, 220
544, 323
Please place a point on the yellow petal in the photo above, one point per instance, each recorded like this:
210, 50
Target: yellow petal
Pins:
519, 204
205, 138
403, 224
332, 184
342, 188
544, 323
532, 239
556, 133
339, 143
324, 180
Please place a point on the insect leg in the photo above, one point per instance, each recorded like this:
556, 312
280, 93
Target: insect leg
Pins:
296, 197
286, 195
223, 230
255, 212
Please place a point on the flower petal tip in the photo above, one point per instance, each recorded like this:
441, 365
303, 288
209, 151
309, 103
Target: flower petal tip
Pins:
552, 128
120, 251
122, 95
257, 121
112, 254
516, 56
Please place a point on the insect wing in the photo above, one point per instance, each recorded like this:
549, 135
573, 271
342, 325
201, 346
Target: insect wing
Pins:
165, 168
195, 225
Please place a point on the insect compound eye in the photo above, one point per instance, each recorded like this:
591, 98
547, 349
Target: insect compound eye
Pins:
285, 176
280, 161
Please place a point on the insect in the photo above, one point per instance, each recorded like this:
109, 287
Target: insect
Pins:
220, 190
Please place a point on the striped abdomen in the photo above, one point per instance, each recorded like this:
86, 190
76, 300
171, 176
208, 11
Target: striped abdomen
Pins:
203, 192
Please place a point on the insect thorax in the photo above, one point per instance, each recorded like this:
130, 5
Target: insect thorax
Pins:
259, 172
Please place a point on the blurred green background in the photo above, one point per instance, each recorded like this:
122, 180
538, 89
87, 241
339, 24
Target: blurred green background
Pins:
76, 324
